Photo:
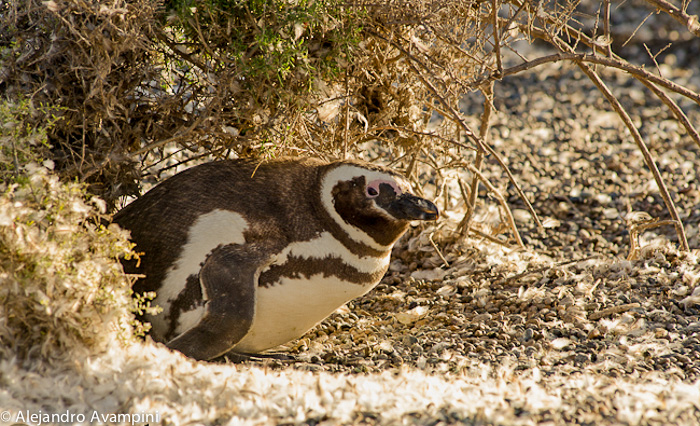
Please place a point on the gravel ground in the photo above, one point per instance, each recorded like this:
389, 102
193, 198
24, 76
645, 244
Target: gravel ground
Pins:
467, 331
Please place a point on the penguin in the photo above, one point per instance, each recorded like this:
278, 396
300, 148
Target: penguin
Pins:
245, 255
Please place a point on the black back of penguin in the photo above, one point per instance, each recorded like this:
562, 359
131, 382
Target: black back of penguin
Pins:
278, 194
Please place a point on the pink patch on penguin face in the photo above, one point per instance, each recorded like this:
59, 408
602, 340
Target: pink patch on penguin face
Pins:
372, 189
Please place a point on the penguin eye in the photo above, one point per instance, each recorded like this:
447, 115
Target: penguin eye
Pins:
372, 192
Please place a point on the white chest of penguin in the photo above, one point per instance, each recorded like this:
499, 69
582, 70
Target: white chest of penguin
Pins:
286, 307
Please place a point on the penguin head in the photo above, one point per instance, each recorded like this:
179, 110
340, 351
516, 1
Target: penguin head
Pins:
372, 201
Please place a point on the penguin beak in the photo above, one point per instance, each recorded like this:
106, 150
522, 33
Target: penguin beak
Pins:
409, 207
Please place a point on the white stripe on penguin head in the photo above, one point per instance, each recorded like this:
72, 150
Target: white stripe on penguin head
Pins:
347, 172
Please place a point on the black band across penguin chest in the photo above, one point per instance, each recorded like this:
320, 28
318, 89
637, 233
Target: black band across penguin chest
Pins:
297, 267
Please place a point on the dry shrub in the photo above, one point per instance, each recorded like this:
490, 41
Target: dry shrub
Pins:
62, 288
247, 75
317, 78
86, 66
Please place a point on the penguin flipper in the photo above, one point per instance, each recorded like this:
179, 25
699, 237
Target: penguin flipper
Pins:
229, 278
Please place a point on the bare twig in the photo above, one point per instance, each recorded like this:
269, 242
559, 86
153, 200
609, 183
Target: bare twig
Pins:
637, 228
568, 52
174, 48
653, 56
413, 63
414, 158
492, 239
689, 21
467, 200
496, 40
347, 116
479, 143
487, 90
606, 27
163, 142
648, 159
637, 29
437, 250
613, 62
609, 62
416, 132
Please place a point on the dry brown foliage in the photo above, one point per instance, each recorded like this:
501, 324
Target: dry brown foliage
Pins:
82, 65
136, 87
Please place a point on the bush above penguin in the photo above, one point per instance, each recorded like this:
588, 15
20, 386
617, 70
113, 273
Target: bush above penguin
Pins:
247, 255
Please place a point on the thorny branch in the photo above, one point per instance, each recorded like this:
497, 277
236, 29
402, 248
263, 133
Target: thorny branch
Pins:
624, 116
689, 21
650, 80
478, 142
599, 60
456, 117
